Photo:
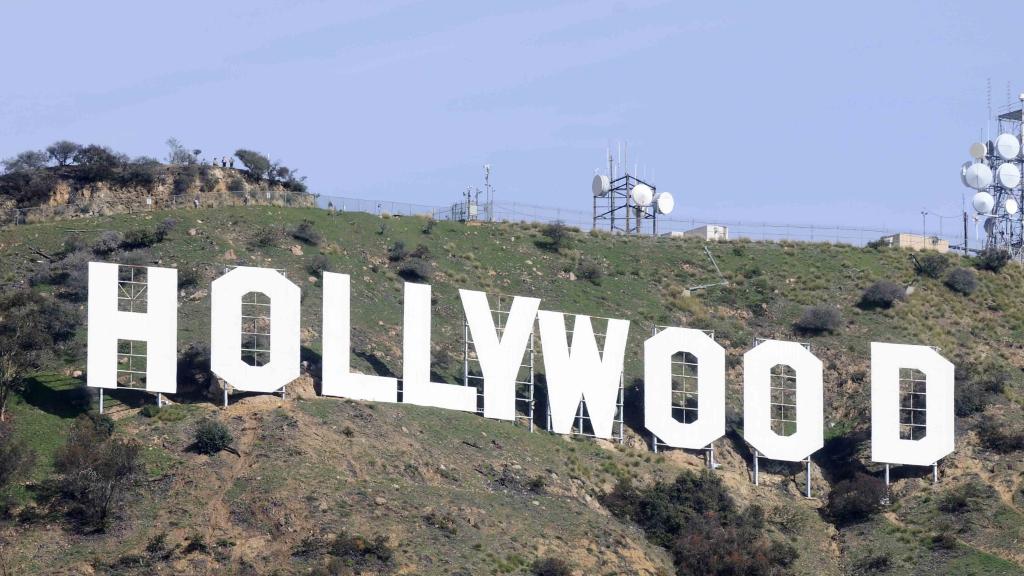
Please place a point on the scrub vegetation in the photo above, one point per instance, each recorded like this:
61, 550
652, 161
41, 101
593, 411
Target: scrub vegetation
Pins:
313, 485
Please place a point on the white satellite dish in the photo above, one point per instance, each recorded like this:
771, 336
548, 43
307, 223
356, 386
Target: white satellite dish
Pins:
665, 202
978, 151
643, 195
1008, 175
983, 203
1011, 206
963, 172
600, 185
1007, 146
978, 176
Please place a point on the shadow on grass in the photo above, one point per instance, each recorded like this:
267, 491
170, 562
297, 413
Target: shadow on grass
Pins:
61, 396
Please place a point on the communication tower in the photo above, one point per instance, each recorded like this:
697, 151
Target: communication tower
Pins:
625, 203
995, 174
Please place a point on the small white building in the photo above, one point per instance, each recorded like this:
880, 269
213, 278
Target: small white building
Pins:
707, 232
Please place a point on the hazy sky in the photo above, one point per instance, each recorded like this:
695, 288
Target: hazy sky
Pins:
842, 113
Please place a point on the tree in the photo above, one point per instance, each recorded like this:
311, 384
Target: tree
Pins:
30, 326
63, 151
98, 163
180, 155
95, 470
258, 165
26, 161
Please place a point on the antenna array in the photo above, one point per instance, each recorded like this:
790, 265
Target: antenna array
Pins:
995, 175
626, 203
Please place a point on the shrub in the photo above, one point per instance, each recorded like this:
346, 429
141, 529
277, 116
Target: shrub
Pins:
882, 294
428, 226
992, 259
591, 270
318, 264
962, 280
267, 236
551, 567
165, 227
150, 411
415, 270
32, 327
211, 437
397, 251
976, 384
421, 251
108, 242
16, 460
140, 238
188, 277
697, 520
818, 319
855, 499
306, 232
931, 264
96, 470
558, 235
356, 552
1001, 434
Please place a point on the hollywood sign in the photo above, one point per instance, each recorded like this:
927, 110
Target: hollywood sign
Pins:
576, 371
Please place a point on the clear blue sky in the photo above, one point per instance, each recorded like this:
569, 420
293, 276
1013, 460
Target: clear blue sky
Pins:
840, 113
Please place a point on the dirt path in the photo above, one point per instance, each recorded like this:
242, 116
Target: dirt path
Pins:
220, 525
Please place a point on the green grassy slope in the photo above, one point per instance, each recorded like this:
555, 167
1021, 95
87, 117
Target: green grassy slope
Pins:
312, 466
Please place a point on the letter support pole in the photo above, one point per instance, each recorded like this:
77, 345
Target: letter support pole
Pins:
101, 400
756, 475
808, 477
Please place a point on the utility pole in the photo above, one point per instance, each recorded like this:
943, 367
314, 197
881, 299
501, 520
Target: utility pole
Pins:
965, 232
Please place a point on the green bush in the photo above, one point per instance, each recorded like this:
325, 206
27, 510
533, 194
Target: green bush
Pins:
590, 270
1001, 434
558, 234
211, 437
306, 232
992, 259
108, 242
855, 499
267, 236
415, 270
962, 280
150, 411
361, 554
977, 384
882, 294
95, 470
397, 252
551, 567
318, 264
931, 264
819, 319
696, 519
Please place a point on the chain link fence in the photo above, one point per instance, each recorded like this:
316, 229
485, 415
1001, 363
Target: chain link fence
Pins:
499, 211
753, 230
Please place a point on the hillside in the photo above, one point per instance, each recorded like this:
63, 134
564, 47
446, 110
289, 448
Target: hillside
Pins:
455, 493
